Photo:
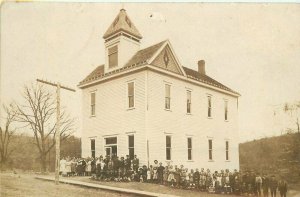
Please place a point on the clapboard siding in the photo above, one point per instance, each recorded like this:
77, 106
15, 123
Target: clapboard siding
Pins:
150, 121
113, 116
180, 125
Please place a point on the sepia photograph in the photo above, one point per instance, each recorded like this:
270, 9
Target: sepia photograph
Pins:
149, 99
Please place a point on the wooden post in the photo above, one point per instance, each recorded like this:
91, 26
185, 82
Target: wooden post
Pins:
57, 133
57, 137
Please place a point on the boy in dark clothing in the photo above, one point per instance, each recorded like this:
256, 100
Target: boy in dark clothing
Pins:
160, 172
273, 186
282, 187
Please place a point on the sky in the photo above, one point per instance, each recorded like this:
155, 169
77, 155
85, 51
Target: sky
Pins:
252, 48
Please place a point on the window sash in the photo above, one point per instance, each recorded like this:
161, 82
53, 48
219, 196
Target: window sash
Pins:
189, 102
189, 143
93, 151
227, 150
226, 110
210, 156
131, 146
168, 147
167, 96
113, 56
130, 92
93, 103
209, 106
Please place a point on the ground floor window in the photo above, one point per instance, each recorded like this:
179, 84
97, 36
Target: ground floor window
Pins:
210, 156
93, 149
227, 150
189, 145
168, 147
111, 147
131, 146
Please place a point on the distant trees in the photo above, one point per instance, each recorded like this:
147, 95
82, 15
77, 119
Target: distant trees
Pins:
293, 110
37, 112
6, 133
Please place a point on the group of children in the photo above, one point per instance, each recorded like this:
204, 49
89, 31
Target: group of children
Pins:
113, 168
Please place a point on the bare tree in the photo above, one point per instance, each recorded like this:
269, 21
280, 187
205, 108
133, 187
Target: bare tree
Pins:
6, 133
293, 110
38, 113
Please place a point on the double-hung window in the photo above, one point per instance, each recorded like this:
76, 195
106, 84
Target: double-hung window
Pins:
113, 56
167, 96
209, 106
168, 147
93, 103
130, 93
210, 149
93, 149
131, 146
189, 146
188, 101
226, 110
227, 150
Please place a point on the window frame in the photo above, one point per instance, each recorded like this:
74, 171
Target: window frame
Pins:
109, 54
105, 145
188, 101
210, 149
169, 148
93, 145
227, 158
129, 96
190, 149
209, 106
93, 105
167, 97
131, 147
226, 110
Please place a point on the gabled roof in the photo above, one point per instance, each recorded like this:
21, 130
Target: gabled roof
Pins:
144, 54
122, 23
193, 74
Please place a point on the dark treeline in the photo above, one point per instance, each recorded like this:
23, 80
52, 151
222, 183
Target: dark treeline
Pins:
278, 155
25, 155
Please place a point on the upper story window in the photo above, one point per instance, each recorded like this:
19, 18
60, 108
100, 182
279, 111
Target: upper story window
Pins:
226, 110
130, 92
113, 56
93, 103
167, 96
188, 101
209, 106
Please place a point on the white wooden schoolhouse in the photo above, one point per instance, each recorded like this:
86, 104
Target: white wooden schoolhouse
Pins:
145, 102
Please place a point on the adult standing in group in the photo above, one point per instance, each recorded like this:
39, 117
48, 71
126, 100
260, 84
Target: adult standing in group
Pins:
135, 163
282, 187
273, 186
258, 184
160, 172
127, 164
265, 185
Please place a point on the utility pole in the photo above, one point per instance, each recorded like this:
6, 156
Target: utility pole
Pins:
57, 133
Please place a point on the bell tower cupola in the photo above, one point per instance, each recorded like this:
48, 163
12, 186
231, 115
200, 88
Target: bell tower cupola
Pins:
122, 41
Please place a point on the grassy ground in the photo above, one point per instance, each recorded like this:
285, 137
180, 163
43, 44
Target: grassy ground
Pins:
152, 188
24, 185
294, 190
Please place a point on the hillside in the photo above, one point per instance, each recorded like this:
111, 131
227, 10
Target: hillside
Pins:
278, 155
